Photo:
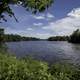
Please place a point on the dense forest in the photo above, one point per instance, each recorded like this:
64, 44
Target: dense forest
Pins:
11, 37
58, 38
75, 37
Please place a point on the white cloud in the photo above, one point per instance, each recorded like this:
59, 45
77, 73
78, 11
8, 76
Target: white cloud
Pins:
37, 24
39, 17
44, 16
43, 35
75, 13
67, 25
29, 29
49, 15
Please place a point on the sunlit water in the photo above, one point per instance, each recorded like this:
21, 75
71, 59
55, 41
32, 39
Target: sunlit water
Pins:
46, 50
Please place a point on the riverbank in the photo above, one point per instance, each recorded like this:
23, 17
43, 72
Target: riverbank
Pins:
12, 68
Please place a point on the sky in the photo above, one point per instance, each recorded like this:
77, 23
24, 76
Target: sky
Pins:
62, 18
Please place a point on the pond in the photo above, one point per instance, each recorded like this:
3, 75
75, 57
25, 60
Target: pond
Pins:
50, 51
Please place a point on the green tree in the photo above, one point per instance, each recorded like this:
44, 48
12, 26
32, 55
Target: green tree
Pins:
30, 5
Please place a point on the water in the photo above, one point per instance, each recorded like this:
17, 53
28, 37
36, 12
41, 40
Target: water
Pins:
45, 50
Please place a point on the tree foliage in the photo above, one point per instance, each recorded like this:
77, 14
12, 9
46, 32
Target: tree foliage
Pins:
75, 37
11, 37
31, 5
58, 38
1, 35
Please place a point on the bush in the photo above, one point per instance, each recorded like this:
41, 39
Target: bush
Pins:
63, 71
14, 69
29, 69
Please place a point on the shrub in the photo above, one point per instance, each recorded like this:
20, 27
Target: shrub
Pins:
12, 68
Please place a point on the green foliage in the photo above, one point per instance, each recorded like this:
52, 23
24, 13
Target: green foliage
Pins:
63, 71
5, 8
12, 68
37, 5
75, 37
31, 5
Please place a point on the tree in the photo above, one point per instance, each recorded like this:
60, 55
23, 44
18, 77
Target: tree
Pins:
1, 35
30, 5
75, 37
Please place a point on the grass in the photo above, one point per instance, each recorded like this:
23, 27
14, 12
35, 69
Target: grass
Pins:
12, 68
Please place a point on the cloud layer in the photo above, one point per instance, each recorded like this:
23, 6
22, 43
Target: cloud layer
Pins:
66, 25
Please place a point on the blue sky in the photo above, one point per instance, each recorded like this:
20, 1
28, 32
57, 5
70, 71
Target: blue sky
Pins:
62, 18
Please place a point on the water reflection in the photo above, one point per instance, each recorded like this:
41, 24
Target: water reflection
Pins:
45, 50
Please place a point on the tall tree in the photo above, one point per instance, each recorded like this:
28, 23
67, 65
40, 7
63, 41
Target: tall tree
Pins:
1, 35
75, 37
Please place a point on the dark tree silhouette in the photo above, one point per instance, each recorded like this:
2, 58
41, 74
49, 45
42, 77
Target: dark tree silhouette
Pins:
1, 35
75, 37
58, 38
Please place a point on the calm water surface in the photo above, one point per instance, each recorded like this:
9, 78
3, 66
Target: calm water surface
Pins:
47, 51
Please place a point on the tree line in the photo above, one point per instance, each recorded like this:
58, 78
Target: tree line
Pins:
11, 37
14, 37
73, 38
58, 38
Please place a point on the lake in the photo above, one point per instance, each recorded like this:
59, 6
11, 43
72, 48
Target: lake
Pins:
50, 51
